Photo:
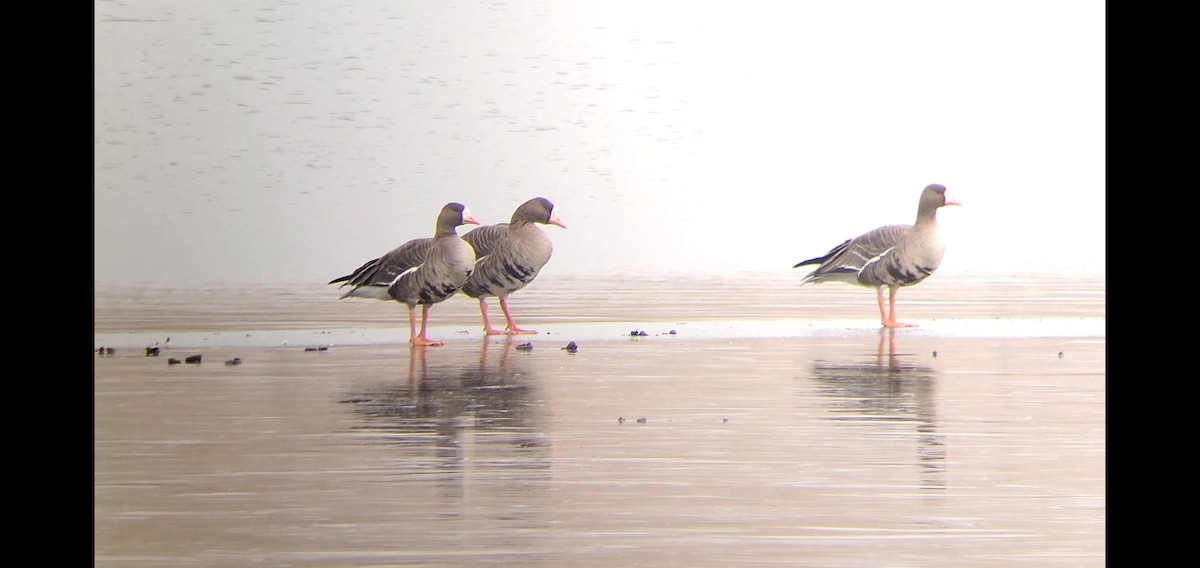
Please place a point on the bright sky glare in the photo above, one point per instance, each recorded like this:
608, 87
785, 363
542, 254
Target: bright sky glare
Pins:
284, 141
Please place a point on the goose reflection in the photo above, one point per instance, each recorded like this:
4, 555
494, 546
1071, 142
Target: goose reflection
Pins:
452, 412
887, 389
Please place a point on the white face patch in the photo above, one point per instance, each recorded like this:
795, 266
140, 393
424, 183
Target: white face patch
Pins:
466, 214
554, 220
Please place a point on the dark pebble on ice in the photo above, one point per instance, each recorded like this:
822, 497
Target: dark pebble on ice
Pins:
571, 347
316, 348
234, 361
173, 361
525, 347
192, 359
152, 352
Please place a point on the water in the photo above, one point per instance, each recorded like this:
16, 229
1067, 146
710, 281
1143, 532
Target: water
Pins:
290, 140
757, 434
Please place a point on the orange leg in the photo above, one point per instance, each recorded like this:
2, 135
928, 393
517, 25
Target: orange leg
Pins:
890, 321
512, 325
883, 319
412, 324
419, 339
487, 325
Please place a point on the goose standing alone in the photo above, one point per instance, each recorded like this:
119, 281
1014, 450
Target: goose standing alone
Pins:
421, 272
508, 257
889, 257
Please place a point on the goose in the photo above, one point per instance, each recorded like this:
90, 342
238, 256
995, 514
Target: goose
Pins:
508, 257
422, 271
892, 256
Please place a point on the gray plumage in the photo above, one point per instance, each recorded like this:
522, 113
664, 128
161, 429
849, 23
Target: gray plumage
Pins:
509, 256
889, 257
422, 271
377, 274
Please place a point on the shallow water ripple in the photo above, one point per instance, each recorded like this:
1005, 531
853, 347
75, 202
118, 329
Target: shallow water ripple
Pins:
761, 452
